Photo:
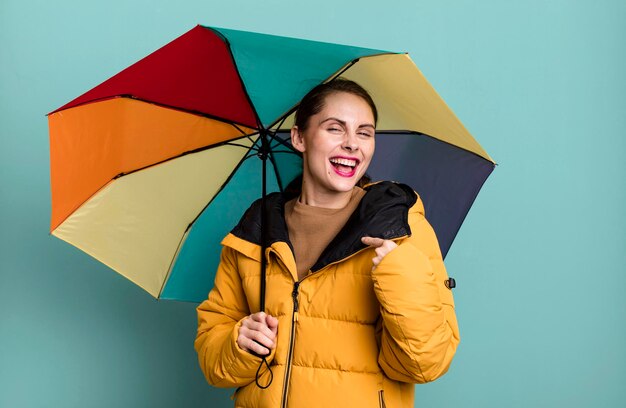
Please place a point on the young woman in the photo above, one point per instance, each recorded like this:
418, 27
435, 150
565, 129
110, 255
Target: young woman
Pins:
357, 309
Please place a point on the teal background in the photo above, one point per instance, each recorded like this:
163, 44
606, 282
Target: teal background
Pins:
540, 261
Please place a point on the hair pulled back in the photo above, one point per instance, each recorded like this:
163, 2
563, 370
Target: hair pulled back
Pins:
313, 102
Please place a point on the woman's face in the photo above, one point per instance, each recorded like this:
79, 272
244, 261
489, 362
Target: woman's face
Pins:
337, 145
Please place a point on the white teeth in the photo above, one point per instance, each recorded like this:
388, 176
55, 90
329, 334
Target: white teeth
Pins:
344, 162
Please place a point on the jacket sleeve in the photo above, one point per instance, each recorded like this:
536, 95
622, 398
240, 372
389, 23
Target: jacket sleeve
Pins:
222, 361
419, 327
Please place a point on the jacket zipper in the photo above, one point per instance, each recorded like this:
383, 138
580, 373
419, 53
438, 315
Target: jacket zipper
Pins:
294, 320
294, 295
381, 399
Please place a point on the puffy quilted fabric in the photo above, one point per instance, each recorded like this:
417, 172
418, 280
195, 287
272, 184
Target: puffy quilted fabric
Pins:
359, 338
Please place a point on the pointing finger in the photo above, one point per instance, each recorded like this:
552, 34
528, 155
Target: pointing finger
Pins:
370, 241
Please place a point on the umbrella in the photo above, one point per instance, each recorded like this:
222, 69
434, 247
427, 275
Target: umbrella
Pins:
151, 168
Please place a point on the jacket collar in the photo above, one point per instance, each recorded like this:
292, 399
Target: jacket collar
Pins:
382, 213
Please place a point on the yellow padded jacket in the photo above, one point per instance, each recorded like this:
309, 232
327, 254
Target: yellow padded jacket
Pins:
347, 336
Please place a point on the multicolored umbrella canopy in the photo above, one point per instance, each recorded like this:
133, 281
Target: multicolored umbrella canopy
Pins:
153, 167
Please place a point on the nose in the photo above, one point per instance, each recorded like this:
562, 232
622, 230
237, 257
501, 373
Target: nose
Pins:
350, 141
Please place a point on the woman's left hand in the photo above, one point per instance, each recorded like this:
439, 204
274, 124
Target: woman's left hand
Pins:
383, 247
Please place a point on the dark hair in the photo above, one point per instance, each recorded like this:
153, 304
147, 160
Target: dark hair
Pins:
313, 102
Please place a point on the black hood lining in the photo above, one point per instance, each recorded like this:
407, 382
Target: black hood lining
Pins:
382, 213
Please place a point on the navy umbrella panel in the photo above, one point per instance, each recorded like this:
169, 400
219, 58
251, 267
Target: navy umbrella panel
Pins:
447, 178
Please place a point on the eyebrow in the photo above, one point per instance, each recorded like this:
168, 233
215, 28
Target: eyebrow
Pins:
343, 122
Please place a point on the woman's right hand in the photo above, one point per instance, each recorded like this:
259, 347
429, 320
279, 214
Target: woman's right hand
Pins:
257, 334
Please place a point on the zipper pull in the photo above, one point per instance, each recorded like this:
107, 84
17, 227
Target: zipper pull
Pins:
294, 295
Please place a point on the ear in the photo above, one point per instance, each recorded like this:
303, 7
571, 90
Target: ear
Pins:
297, 139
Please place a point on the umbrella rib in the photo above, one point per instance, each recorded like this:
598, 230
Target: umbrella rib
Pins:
287, 152
126, 173
280, 123
238, 128
250, 139
198, 150
272, 134
162, 105
332, 77
230, 176
243, 85
344, 69
414, 132
284, 143
173, 261
241, 145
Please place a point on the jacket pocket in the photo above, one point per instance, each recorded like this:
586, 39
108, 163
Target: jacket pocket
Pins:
381, 399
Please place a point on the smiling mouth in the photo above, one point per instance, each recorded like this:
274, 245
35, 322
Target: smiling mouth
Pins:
344, 166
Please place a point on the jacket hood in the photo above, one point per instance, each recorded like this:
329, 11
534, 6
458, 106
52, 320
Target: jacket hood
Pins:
382, 213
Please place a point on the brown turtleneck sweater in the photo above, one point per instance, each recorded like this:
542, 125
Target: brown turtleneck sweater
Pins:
312, 228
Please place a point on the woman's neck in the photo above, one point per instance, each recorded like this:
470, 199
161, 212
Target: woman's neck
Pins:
324, 199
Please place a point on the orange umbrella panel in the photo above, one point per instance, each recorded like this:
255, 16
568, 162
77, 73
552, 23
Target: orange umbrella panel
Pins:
92, 144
